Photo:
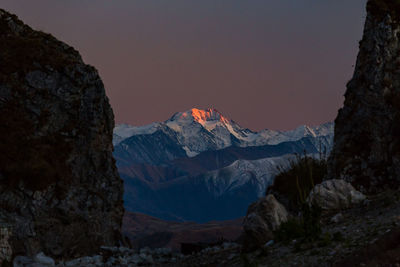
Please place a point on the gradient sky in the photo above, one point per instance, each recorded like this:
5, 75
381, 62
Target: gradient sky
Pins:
270, 64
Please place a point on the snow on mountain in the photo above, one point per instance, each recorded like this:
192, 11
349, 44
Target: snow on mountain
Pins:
124, 131
200, 158
200, 130
240, 172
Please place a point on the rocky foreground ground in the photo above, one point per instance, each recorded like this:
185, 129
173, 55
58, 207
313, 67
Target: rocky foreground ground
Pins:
366, 235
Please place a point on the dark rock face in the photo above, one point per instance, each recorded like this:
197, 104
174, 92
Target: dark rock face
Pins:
59, 187
367, 130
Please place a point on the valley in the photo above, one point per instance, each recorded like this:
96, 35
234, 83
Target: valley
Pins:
198, 167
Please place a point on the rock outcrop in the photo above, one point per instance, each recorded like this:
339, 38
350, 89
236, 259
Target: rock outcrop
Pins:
59, 187
367, 145
108, 256
334, 195
263, 217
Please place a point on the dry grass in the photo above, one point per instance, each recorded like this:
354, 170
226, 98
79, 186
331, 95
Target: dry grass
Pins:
296, 182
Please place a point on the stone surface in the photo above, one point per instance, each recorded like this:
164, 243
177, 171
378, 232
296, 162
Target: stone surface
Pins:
122, 256
367, 145
335, 194
43, 259
5, 247
59, 187
22, 261
361, 227
39, 260
337, 218
263, 217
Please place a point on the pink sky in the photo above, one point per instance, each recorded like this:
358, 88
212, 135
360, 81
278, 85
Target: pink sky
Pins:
270, 64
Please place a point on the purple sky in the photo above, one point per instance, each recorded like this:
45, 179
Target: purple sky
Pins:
270, 64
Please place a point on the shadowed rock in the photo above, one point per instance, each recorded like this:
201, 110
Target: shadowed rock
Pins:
335, 194
263, 217
367, 145
59, 188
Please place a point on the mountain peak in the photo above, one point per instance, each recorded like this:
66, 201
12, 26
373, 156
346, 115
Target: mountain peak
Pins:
201, 116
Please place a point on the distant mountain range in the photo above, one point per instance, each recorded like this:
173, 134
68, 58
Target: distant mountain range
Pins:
201, 166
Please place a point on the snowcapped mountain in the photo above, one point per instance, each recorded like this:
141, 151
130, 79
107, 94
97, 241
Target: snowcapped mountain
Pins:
201, 166
201, 130
240, 172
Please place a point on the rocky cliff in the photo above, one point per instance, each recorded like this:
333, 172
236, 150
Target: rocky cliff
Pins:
59, 188
367, 130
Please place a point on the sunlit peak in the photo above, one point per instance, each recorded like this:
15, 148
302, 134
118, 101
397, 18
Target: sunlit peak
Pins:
202, 116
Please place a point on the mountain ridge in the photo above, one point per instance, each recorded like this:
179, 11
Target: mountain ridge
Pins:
201, 130
199, 159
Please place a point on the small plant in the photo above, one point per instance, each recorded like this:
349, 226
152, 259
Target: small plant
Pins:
307, 228
311, 221
296, 182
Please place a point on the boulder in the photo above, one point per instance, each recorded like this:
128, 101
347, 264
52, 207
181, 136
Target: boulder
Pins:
334, 195
59, 188
22, 261
41, 258
263, 217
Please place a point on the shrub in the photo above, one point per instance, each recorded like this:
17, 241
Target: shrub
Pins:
295, 183
311, 221
305, 228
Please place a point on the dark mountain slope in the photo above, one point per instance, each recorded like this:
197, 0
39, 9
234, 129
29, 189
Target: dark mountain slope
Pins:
213, 160
206, 187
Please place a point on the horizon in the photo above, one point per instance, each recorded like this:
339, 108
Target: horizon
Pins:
178, 55
226, 117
